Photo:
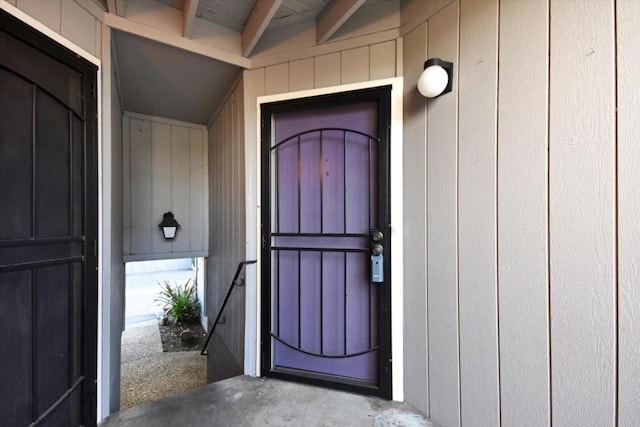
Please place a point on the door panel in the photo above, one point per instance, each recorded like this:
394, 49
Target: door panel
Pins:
48, 263
321, 190
323, 169
52, 343
60, 80
15, 390
15, 150
52, 148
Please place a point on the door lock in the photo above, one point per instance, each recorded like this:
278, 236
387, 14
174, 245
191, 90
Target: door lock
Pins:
377, 259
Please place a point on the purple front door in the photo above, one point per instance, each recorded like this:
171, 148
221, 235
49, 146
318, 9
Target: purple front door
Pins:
324, 170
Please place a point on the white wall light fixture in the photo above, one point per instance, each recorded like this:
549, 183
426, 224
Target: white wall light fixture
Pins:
169, 226
436, 79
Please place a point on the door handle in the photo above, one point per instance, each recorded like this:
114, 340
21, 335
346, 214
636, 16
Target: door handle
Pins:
377, 259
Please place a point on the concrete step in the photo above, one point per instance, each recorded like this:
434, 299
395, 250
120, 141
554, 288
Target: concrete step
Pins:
248, 401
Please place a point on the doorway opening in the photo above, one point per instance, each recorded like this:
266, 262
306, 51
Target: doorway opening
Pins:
165, 328
326, 215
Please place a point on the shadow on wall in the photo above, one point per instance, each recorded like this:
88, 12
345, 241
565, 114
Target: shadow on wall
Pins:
222, 364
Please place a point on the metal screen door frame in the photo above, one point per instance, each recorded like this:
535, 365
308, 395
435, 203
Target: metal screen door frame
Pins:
381, 96
46, 250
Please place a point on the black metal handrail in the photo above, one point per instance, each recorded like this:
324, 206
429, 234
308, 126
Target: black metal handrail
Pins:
234, 283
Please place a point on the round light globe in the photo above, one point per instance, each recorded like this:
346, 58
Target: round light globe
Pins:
433, 81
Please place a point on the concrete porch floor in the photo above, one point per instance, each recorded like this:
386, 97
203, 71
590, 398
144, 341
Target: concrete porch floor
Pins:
248, 401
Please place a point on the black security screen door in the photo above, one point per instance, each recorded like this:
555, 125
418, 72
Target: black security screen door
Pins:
326, 275
48, 225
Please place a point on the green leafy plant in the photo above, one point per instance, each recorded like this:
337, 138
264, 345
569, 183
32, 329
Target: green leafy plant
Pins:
180, 302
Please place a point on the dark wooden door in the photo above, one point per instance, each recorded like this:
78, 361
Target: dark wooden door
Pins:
325, 189
48, 232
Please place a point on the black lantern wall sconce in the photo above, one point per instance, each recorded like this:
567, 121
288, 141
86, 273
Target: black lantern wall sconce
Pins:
436, 79
169, 226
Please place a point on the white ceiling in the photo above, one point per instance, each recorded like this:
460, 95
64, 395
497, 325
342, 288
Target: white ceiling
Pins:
160, 80
234, 14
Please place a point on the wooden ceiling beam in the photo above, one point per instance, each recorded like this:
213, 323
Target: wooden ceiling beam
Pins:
261, 15
175, 40
116, 7
189, 13
334, 16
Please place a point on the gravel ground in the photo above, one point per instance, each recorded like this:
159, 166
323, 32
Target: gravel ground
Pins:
149, 374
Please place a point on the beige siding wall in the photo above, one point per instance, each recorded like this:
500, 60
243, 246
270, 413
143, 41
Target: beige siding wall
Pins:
352, 65
414, 222
165, 169
375, 61
79, 21
527, 220
522, 187
227, 235
628, 232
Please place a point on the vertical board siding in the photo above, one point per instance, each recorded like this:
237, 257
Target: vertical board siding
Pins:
48, 12
79, 26
163, 170
547, 272
198, 177
582, 213
477, 216
181, 187
513, 293
126, 185
442, 250
161, 181
522, 213
238, 206
141, 186
227, 236
67, 18
382, 60
327, 70
628, 49
373, 62
301, 74
515, 201
227, 226
277, 78
536, 173
415, 251
354, 65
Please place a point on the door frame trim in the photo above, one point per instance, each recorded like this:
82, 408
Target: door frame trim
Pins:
253, 324
43, 29
381, 210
